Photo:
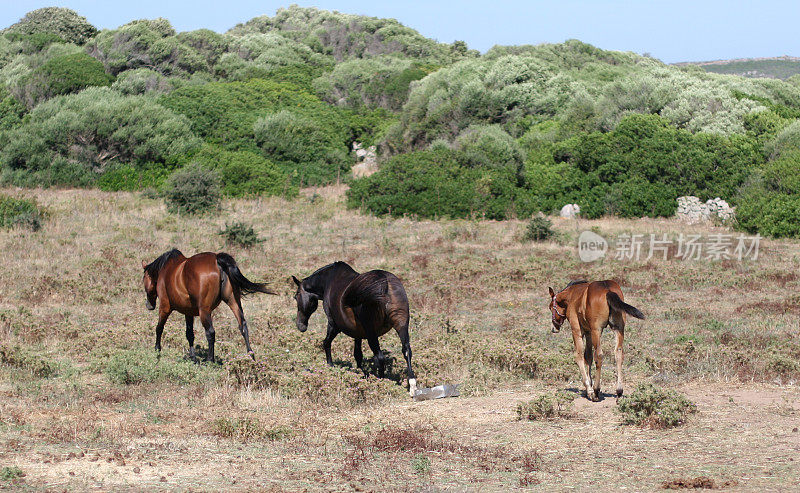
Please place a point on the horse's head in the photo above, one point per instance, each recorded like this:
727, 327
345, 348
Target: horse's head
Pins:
149, 288
558, 316
306, 305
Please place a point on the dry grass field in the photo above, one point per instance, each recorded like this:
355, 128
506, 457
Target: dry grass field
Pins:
85, 404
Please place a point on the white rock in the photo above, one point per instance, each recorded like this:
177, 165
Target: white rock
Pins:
570, 210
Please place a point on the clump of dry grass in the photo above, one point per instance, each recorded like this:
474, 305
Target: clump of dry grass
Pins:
546, 406
248, 429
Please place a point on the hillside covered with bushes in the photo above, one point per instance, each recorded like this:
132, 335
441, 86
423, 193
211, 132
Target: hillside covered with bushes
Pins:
276, 103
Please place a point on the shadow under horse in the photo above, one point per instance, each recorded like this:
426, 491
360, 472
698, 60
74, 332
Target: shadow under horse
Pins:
590, 307
195, 286
363, 306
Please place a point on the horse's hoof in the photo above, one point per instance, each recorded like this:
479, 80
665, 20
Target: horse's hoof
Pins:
412, 386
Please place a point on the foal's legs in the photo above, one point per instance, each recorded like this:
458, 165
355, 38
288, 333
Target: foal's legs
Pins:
619, 335
190, 336
234, 301
577, 339
598, 359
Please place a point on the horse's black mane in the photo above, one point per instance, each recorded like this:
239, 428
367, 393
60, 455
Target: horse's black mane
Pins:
338, 264
156, 265
572, 283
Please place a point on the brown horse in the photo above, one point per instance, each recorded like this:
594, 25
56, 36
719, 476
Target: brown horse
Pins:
363, 306
195, 287
590, 307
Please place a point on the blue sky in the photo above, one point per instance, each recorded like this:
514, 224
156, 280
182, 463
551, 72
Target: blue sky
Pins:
672, 31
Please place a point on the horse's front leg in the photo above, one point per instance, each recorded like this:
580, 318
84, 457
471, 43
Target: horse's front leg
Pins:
163, 315
326, 344
577, 339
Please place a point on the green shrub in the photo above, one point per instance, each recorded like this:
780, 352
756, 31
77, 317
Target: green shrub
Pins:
133, 367
58, 21
246, 429
10, 473
546, 406
291, 137
245, 173
539, 229
438, 183
193, 189
63, 75
653, 406
11, 111
34, 42
769, 202
131, 177
141, 81
71, 140
240, 234
22, 213
26, 359
490, 147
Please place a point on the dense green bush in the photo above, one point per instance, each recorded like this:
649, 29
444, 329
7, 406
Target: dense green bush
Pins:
769, 203
318, 153
58, 21
148, 43
62, 75
244, 173
539, 229
141, 81
641, 167
131, 177
19, 213
193, 189
240, 234
439, 183
257, 55
346, 36
71, 140
653, 406
11, 110
546, 406
489, 146
32, 43
375, 82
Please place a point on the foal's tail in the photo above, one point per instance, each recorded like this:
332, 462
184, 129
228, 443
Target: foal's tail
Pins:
229, 266
616, 303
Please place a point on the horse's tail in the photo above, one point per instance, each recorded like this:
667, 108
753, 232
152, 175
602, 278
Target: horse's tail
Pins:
229, 267
616, 303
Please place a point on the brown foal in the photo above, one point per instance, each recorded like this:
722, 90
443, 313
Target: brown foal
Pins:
590, 307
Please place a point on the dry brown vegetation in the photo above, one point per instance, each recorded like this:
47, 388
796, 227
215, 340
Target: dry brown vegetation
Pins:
85, 403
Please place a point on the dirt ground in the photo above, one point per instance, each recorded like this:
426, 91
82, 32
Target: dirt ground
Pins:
74, 332
743, 437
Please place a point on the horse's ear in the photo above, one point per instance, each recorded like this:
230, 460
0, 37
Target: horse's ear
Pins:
296, 281
552, 293
144, 265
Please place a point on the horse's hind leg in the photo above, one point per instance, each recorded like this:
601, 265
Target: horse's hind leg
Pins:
190, 336
598, 359
374, 345
358, 355
619, 335
205, 319
234, 301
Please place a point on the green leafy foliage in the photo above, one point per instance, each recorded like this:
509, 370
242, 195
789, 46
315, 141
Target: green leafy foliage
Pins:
58, 21
546, 406
19, 213
240, 234
438, 183
193, 189
71, 140
649, 405
62, 75
539, 229
243, 172
138, 366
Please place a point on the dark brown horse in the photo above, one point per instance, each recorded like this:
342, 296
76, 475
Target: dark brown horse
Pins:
194, 287
363, 306
590, 307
